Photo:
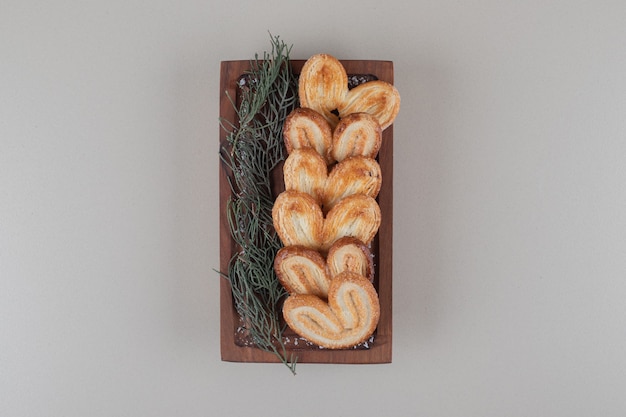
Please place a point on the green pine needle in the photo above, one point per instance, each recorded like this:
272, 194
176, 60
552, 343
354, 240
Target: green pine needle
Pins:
268, 93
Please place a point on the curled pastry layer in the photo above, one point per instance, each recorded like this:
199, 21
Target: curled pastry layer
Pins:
298, 220
302, 271
323, 85
354, 175
378, 98
305, 170
350, 254
356, 216
350, 316
306, 128
357, 134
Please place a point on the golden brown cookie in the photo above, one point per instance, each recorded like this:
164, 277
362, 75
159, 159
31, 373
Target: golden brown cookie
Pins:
378, 98
350, 254
306, 128
305, 170
298, 220
356, 216
323, 85
302, 270
357, 134
348, 318
354, 175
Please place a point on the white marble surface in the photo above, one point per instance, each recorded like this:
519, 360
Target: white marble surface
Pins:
510, 208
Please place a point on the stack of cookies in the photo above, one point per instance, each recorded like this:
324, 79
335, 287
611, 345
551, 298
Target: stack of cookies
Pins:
328, 215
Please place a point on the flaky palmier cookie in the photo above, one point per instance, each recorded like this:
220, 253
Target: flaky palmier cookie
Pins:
323, 85
357, 134
306, 128
378, 98
356, 216
350, 254
298, 219
348, 318
304, 170
354, 175
302, 270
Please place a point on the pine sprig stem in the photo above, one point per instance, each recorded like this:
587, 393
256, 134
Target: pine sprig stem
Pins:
254, 148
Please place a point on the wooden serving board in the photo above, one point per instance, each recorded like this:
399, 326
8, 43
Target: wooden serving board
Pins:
378, 348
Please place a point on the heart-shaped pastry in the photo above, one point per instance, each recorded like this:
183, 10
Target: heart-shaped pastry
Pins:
298, 220
378, 98
304, 271
357, 134
305, 171
348, 318
306, 128
323, 85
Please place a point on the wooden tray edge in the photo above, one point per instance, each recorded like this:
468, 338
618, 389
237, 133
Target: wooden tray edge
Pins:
381, 350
